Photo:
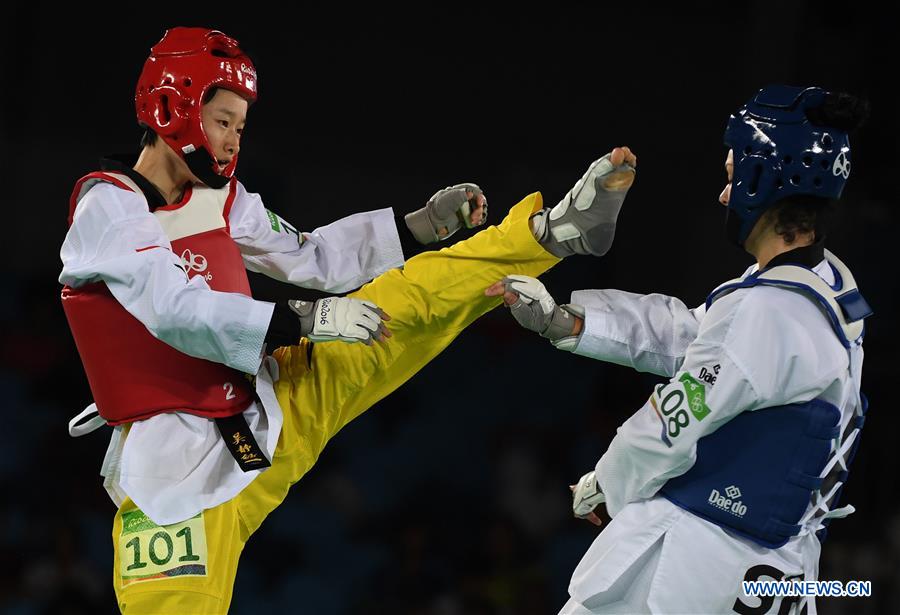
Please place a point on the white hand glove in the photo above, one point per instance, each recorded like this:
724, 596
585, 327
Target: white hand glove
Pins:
340, 318
586, 496
537, 311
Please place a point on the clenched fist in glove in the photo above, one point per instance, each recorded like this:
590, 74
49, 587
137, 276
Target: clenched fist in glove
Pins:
586, 497
447, 211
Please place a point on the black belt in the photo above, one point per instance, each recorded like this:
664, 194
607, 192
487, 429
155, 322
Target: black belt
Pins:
241, 443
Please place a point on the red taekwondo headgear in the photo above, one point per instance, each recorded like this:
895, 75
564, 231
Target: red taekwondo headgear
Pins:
181, 69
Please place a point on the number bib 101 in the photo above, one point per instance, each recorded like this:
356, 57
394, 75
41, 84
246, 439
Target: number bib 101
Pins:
148, 551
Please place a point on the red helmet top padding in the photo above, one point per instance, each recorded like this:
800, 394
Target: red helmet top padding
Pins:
182, 67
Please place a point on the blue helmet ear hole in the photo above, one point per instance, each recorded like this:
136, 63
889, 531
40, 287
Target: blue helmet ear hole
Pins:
817, 182
795, 180
788, 160
825, 164
827, 142
754, 180
807, 161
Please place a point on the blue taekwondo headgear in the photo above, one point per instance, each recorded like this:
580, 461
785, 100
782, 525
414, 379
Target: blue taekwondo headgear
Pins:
779, 152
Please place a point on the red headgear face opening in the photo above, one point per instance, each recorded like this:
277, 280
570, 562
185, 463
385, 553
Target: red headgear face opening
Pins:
181, 69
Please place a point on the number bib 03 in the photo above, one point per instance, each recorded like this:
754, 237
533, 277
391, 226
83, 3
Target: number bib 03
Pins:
148, 551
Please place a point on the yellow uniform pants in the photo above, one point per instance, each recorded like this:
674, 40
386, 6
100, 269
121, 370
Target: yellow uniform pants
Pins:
190, 567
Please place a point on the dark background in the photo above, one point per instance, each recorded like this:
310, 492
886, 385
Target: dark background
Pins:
450, 496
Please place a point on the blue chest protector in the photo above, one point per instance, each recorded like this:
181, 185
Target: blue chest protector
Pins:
758, 474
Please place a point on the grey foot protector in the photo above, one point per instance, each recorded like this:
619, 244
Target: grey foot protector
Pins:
584, 221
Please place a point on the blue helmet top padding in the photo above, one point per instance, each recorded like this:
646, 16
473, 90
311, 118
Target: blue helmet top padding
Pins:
778, 152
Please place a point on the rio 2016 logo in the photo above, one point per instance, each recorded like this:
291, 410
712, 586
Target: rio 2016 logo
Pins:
324, 310
841, 166
194, 262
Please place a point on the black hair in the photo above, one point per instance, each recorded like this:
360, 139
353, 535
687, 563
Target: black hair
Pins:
842, 111
802, 213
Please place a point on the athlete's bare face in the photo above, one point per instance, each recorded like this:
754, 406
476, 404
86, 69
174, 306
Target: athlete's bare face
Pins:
729, 170
223, 120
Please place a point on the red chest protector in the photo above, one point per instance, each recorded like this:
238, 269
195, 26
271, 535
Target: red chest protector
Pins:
132, 374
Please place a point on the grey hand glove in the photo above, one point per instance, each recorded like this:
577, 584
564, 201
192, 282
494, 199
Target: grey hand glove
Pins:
448, 209
536, 310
